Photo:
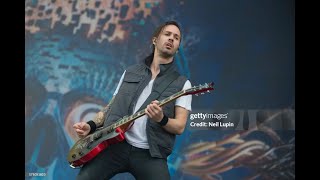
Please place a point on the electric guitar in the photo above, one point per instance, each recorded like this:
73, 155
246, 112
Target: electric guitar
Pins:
88, 147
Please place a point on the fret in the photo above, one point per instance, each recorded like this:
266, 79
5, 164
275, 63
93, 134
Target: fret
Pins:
141, 112
172, 97
123, 121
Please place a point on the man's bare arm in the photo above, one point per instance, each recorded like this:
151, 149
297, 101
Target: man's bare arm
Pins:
174, 125
101, 115
178, 124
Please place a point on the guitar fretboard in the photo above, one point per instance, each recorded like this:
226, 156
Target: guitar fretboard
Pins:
140, 113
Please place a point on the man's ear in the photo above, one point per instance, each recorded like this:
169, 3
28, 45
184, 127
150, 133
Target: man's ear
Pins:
154, 40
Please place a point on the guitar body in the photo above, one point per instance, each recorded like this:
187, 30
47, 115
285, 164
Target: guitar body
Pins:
87, 148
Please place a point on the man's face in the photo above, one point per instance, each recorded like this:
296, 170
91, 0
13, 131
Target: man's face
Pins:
168, 41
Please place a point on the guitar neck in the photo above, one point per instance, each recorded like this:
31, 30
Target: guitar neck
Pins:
128, 119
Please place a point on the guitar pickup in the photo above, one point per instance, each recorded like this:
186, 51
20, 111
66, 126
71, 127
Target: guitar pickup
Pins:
97, 136
94, 138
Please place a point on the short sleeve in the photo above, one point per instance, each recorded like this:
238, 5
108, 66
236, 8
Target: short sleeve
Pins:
185, 101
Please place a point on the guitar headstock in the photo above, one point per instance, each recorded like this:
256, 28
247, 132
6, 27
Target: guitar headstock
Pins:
207, 87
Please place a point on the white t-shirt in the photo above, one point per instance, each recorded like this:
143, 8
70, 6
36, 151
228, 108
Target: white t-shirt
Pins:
136, 135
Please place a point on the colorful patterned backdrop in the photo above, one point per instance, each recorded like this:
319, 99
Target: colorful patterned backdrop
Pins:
76, 52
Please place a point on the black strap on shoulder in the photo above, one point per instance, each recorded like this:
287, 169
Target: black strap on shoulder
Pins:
160, 88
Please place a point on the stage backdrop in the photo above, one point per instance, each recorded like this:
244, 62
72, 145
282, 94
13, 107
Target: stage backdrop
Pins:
76, 51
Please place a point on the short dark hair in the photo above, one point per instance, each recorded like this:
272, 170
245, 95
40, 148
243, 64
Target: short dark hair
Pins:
159, 29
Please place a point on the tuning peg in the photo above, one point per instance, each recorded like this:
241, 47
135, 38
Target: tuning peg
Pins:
197, 94
208, 91
202, 93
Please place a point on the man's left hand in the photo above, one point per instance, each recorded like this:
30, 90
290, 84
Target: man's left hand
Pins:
154, 111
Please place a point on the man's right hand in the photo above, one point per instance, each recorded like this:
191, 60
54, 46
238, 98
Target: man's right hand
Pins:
82, 129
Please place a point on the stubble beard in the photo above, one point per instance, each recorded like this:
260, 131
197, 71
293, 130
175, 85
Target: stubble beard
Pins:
166, 54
